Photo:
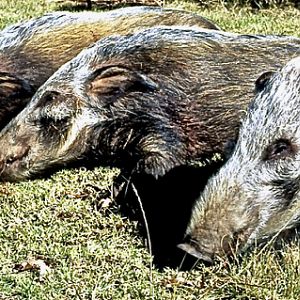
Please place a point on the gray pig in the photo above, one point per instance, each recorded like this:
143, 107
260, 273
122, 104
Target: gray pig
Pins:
255, 195
145, 102
30, 52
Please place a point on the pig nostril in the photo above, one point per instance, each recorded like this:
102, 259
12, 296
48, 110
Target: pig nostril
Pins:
11, 159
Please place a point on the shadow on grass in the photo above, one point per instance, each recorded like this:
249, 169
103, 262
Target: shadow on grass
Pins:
167, 203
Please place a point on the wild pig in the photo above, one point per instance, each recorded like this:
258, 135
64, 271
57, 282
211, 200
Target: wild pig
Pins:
255, 195
145, 102
30, 52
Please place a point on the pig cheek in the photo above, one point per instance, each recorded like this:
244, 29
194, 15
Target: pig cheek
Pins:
51, 138
70, 149
284, 192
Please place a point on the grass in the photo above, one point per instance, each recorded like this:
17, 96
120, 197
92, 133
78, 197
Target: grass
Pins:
71, 222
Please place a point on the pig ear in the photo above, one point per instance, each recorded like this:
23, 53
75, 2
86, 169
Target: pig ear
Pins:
11, 87
263, 80
116, 79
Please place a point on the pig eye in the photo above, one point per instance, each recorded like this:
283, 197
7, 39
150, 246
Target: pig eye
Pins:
54, 115
279, 149
53, 111
52, 128
52, 120
48, 121
48, 98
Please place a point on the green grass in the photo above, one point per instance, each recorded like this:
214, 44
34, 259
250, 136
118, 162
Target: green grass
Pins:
71, 222
244, 20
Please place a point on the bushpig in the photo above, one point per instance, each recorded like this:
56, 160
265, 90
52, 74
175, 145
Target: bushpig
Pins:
255, 196
146, 102
32, 51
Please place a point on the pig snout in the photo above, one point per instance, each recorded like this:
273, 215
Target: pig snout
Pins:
222, 222
214, 245
13, 157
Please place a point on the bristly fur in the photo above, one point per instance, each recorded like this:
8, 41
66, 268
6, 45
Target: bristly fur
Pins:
145, 102
45, 43
255, 195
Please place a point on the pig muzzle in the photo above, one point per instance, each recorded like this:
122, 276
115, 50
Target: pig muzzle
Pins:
13, 159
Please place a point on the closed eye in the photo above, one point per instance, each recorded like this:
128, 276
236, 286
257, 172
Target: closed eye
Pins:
48, 122
48, 98
280, 149
51, 126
